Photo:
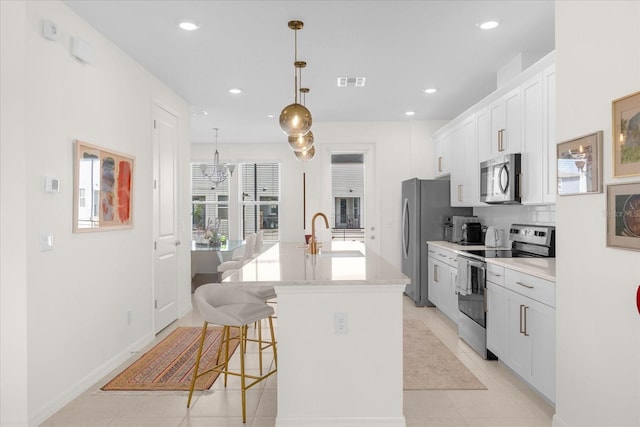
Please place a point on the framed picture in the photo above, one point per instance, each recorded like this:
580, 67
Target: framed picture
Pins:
626, 135
623, 216
580, 165
103, 189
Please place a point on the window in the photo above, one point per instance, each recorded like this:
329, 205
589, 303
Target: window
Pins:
260, 198
347, 189
209, 207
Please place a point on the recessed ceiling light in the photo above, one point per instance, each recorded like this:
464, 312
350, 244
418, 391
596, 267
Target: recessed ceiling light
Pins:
200, 113
431, 90
410, 113
271, 116
235, 91
488, 25
188, 26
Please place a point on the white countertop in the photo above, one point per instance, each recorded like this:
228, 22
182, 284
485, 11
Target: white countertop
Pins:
544, 268
338, 263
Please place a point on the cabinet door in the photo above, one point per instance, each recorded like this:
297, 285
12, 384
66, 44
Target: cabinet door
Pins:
517, 354
465, 178
435, 277
541, 321
533, 141
442, 166
549, 168
483, 135
496, 319
505, 121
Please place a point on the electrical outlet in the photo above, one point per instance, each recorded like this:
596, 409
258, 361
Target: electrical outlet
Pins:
340, 323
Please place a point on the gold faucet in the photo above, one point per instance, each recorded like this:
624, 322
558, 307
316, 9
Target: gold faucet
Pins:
313, 244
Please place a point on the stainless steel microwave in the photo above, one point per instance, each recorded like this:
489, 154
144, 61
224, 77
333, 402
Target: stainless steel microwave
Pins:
500, 180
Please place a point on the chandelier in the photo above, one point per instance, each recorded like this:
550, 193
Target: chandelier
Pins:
218, 172
295, 119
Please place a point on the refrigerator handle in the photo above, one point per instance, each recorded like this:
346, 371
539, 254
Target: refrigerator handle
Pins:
405, 228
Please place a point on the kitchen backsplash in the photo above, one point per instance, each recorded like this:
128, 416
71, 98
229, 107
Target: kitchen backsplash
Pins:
503, 216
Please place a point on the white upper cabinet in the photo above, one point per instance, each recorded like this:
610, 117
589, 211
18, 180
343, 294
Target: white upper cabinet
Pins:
442, 166
549, 168
533, 141
465, 187
517, 118
504, 115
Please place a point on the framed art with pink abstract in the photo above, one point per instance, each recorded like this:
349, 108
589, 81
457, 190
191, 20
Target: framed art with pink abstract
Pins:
103, 189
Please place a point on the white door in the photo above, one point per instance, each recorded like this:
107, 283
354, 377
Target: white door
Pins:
165, 262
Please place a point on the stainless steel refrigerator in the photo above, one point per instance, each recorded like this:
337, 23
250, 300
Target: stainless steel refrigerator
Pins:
424, 204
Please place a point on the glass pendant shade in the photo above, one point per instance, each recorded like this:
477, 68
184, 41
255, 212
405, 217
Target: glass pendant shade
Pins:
295, 120
306, 155
301, 143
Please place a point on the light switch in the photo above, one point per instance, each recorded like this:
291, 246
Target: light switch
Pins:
51, 184
46, 242
49, 30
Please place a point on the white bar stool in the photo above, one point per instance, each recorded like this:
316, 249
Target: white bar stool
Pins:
232, 307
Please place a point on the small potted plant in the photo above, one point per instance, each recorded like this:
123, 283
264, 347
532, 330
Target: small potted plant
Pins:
212, 234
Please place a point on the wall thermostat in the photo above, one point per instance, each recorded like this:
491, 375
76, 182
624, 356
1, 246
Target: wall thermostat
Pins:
51, 184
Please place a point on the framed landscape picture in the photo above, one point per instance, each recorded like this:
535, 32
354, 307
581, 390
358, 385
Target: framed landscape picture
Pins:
103, 189
580, 165
623, 216
626, 135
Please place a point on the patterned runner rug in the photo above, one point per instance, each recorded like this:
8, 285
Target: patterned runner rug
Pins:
430, 365
169, 364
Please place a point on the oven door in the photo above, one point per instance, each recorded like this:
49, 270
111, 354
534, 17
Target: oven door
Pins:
471, 299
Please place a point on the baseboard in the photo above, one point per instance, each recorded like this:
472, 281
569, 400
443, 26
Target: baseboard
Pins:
341, 422
556, 421
41, 414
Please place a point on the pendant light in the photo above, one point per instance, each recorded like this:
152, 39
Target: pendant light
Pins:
218, 172
295, 119
303, 142
306, 154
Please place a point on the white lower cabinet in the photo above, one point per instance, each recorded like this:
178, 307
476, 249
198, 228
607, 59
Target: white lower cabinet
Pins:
521, 328
496, 311
442, 281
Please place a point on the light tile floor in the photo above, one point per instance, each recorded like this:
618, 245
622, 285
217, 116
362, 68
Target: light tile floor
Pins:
507, 402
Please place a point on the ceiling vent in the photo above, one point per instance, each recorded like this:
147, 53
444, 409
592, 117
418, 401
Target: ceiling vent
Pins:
351, 81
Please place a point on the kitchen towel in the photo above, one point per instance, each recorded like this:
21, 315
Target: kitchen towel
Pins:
462, 284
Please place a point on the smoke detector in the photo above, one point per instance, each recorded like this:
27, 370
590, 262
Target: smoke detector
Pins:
351, 81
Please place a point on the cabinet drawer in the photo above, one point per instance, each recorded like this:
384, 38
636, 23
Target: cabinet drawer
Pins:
495, 274
533, 287
443, 255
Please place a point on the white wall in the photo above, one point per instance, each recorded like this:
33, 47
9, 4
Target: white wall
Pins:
402, 150
77, 295
13, 224
598, 326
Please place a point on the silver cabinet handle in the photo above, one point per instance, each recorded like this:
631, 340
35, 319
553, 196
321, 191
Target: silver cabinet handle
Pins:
459, 192
439, 164
435, 272
521, 327
525, 285
526, 333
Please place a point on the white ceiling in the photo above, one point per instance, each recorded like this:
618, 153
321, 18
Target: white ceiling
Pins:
401, 47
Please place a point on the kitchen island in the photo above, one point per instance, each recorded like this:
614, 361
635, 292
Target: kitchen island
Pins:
339, 334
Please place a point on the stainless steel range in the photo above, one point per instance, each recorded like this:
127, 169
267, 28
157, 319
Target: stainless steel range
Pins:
528, 241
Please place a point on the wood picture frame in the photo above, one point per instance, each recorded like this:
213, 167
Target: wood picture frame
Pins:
626, 135
102, 189
579, 163
623, 216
